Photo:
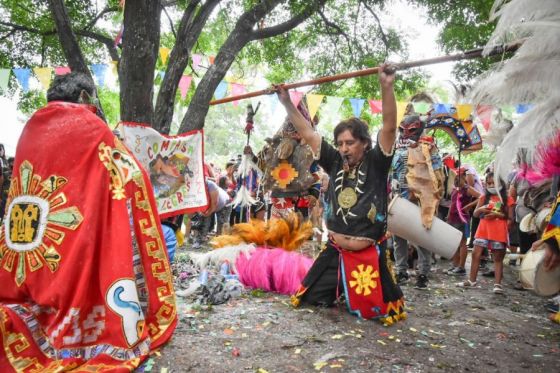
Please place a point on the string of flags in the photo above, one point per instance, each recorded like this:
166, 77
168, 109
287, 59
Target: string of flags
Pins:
314, 101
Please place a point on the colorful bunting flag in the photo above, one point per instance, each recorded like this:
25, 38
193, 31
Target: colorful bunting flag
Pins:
401, 109
296, 97
196, 60
43, 74
221, 90
4, 78
237, 89
99, 70
164, 54
184, 85
211, 59
522, 108
375, 106
62, 70
442, 108
464, 111
333, 103
421, 107
22, 76
115, 68
313, 103
357, 105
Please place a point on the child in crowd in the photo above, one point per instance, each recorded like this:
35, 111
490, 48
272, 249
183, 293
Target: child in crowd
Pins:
463, 199
492, 232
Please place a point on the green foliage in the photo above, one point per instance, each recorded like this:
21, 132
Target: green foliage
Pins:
466, 25
110, 103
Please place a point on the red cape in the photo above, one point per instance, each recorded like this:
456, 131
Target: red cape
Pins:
86, 281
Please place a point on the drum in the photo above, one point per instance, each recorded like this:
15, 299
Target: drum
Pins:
404, 220
546, 283
528, 268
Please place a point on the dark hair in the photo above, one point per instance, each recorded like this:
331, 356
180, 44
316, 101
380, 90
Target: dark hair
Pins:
357, 127
68, 87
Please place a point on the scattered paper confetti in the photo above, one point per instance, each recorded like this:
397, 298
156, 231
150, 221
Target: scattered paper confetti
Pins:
320, 365
413, 330
297, 351
337, 336
381, 342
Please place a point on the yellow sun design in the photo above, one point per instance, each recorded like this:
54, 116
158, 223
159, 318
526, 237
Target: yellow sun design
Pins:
364, 280
284, 173
35, 209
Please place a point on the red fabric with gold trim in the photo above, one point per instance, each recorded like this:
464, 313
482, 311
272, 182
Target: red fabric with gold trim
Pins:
86, 281
362, 283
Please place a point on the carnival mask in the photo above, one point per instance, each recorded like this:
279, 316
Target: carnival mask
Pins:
411, 128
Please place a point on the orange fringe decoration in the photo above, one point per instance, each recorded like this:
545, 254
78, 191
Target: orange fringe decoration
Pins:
288, 233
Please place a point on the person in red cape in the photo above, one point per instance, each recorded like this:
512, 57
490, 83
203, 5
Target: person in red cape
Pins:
86, 280
354, 262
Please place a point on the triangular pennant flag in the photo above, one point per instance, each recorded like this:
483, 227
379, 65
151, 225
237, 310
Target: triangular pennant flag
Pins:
22, 76
164, 54
61, 70
464, 111
421, 107
296, 97
115, 68
211, 59
333, 103
507, 112
357, 105
522, 108
184, 85
401, 109
221, 90
375, 106
484, 113
196, 80
99, 70
442, 108
313, 103
4, 78
237, 89
43, 74
162, 74
196, 60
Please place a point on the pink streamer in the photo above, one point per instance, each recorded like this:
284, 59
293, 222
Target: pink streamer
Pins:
274, 270
375, 106
184, 85
296, 97
237, 89
62, 70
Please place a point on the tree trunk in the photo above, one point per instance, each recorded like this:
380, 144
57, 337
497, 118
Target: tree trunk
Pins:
189, 32
139, 55
67, 38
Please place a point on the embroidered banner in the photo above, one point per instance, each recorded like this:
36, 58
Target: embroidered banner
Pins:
175, 166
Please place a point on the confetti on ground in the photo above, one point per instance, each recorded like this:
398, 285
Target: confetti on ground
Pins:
261, 370
381, 342
413, 330
163, 370
337, 336
320, 365
297, 351
228, 331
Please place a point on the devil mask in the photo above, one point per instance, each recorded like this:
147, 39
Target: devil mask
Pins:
411, 128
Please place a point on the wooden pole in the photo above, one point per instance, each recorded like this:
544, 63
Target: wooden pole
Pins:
471, 54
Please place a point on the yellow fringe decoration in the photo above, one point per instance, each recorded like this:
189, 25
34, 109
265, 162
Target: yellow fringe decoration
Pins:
288, 233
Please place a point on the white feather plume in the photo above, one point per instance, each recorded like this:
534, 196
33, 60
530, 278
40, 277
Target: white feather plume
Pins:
531, 76
215, 258
243, 198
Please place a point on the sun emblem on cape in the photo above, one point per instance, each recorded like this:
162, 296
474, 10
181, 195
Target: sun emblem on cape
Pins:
364, 280
284, 173
32, 226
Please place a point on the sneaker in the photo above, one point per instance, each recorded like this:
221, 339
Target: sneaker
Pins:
467, 284
457, 271
498, 289
402, 278
421, 282
450, 270
552, 307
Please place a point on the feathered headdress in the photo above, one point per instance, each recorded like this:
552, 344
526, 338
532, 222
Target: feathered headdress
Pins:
531, 76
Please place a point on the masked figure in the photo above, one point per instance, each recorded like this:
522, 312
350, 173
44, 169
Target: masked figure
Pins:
86, 280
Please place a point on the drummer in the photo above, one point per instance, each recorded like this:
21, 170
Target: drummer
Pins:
354, 261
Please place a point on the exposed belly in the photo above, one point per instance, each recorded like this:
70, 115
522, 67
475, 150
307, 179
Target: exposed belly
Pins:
350, 244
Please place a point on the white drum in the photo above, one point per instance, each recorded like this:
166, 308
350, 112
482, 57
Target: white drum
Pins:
404, 220
528, 268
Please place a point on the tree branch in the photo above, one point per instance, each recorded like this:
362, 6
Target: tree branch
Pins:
170, 22
106, 10
381, 31
68, 41
337, 28
288, 25
113, 52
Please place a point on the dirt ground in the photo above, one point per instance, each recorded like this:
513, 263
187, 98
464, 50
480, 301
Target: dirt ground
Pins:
448, 330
